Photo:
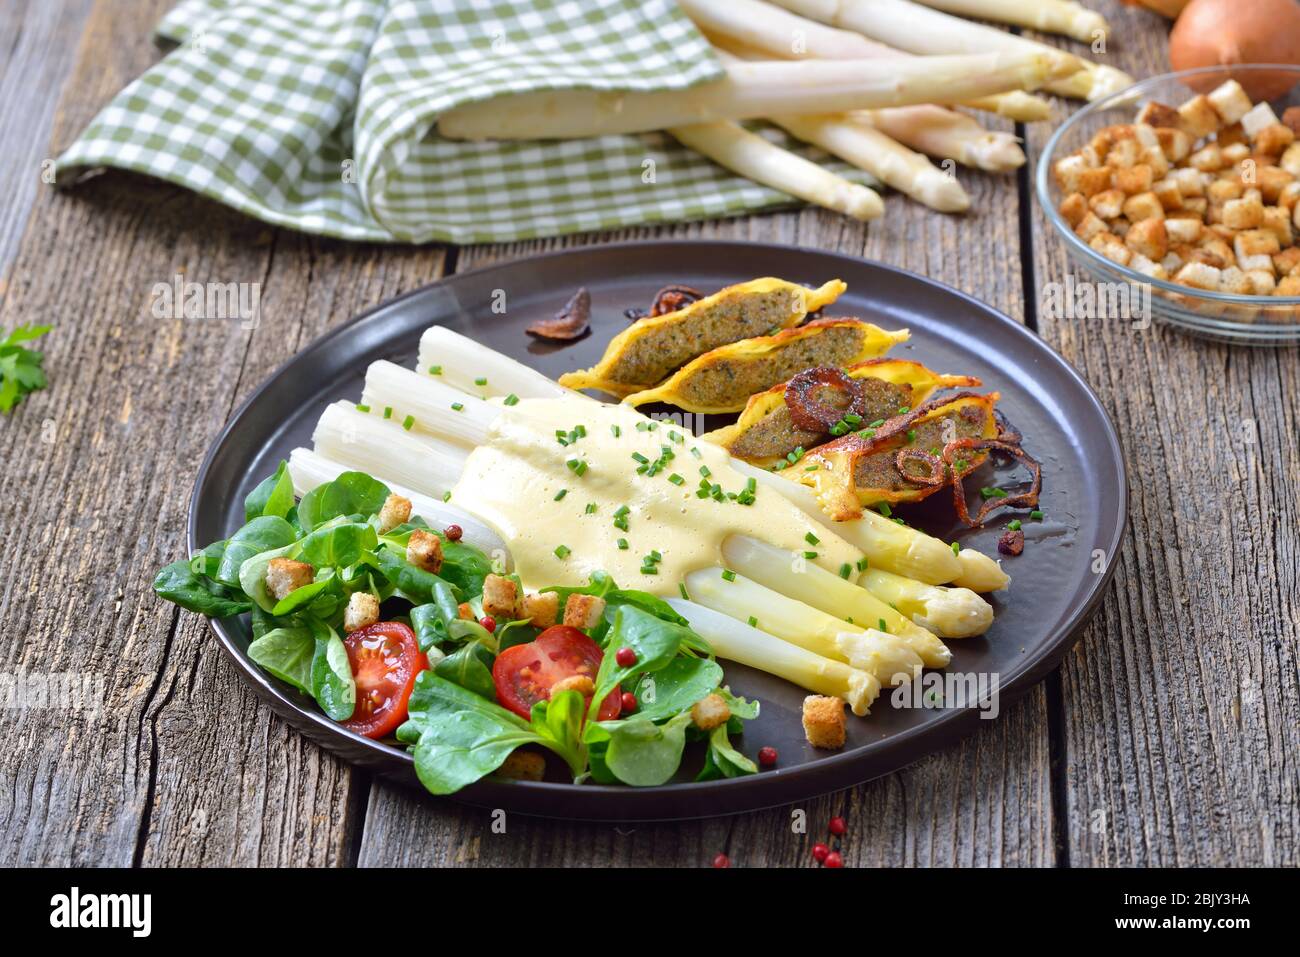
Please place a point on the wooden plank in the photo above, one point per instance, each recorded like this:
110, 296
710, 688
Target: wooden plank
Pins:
984, 802
1180, 706
181, 765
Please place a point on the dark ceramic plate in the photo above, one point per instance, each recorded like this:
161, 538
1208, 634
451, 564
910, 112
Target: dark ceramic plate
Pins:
1056, 584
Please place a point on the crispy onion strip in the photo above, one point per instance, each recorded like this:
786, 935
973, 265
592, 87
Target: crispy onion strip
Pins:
1027, 499
810, 413
938, 474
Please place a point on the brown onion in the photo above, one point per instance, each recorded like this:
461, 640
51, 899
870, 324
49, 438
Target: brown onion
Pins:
1230, 32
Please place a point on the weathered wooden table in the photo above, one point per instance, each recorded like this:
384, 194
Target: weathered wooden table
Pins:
1168, 736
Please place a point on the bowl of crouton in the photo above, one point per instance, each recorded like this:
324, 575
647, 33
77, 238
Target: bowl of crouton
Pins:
1184, 193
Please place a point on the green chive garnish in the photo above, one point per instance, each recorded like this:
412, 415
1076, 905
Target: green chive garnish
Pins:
884, 509
622, 544
362, 408
512, 399
435, 370
480, 381
1036, 515
1014, 525
753, 622
457, 407
446, 496
562, 551
846, 570
812, 539
956, 548
883, 626
388, 412
561, 493
681, 587
408, 422
676, 479
728, 575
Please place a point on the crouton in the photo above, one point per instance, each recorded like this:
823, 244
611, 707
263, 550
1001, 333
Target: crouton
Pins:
579, 683
1146, 135
1175, 144
1234, 156
1259, 116
1090, 226
711, 711
1199, 276
1290, 159
1149, 238
1093, 181
283, 575
1148, 268
362, 611
1135, 179
1173, 261
1219, 249
1288, 286
424, 551
542, 609
1198, 118
1196, 204
1244, 213
823, 721
1157, 114
1067, 171
1230, 135
583, 611
1287, 261
1183, 229
1170, 196
1124, 154
1208, 159
501, 598
1274, 139
1112, 247
1271, 181
1073, 208
395, 511
1289, 198
1190, 181
1222, 190
1262, 281
1295, 215
1234, 281
1229, 101
1256, 242
1154, 157
522, 765
1108, 203
1291, 118
1143, 206
1278, 222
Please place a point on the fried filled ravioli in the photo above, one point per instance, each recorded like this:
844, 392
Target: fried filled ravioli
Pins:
651, 349
766, 431
723, 379
902, 460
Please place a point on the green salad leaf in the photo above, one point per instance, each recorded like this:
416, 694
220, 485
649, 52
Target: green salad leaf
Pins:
643, 753
288, 653
352, 493
272, 496
676, 686
263, 534
179, 583
332, 684
20, 367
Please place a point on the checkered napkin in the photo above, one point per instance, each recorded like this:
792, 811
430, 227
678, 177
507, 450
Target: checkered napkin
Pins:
318, 115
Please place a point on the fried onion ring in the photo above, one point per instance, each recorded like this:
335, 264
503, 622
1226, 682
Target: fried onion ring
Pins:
1027, 499
938, 469
571, 322
674, 297
808, 412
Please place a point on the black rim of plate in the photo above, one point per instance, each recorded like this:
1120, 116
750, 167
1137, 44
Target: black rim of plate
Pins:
681, 801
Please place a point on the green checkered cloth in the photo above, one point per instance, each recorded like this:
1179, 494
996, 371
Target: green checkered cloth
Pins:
318, 115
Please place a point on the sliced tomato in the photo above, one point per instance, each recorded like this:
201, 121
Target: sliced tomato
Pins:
385, 659
525, 674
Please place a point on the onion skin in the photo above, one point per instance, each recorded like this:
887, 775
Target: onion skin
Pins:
1228, 32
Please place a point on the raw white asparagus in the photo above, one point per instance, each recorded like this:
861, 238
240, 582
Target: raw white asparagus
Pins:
429, 402
947, 135
757, 30
461, 360
1048, 16
308, 469
918, 29
947, 612
777, 569
754, 90
736, 148
736, 641
869, 149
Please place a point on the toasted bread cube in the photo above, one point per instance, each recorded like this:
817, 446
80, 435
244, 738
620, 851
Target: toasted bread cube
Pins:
1157, 114
1288, 286
1091, 157
361, 612
1112, 247
1102, 141
424, 551
1235, 281
1262, 282
1154, 157
1135, 179
1289, 198
1244, 213
1190, 182
1271, 181
1196, 204
1214, 214
1295, 215
1147, 267
1089, 226
522, 765
1143, 206
1278, 222
1067, 171
542, 609
823, 721
1290, 159
1275, 139
583, 611
1197, 118
1230, 135
1256, 242
1222, 190
1073, 208
1175, 144
395, 511
1256, 118
1146, 135
1148, 237
1183, 229
1173, 261
1208, 159
1287, 261
1229, 101
1093, 181
1218, 248
1195, 254
711, 712
284, 575
1291, 118
1120, 226
1234, 154
1170, 196
1124, 153
1108, 203
501, 598
1199, 276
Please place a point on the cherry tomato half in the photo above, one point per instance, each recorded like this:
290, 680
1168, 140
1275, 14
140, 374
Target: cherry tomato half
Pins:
385, 659
525, 674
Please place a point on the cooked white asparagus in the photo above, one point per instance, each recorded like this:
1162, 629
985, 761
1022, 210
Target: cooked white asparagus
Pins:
430, 403
947, 135
365, 440
947, 612
460, 361
759, 31
736, 641
828, 592
732, 146
1049, 16
978, 572
918, 29
754, 90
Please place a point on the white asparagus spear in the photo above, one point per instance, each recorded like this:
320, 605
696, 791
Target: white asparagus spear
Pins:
948, 612
760, 31
460, 361
917, 29
754, 90
308, 469
431, 403
429, 465
736, 641
979, 573
736, 148
1048, 16
947, 135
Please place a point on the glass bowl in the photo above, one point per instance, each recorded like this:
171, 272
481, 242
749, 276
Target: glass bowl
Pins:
1253, 320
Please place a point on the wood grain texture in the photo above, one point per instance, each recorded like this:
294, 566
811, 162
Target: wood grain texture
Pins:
1181, 714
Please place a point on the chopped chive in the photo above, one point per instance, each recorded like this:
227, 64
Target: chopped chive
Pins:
562, 551
676, 479
904, 409
512, 399
883, 626
898, 521
435, 370
577, 466
884, 509
388, 412
561, 493
654, 554
867, 434
481, 380
911, 435
811, 468
676, 437
846, 570
622, 544
615, 431
1036, 515
622, 510
809, 554
862, 564
458, 407
408, 422
695, 452
681, 587
750, 485
591, 508
812, 539
704, 470
728, 575
753, 622
642, 427
852, 418
446, 496
876, 424
649, 570
956, 548
779, 466
362, 408
640, 458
